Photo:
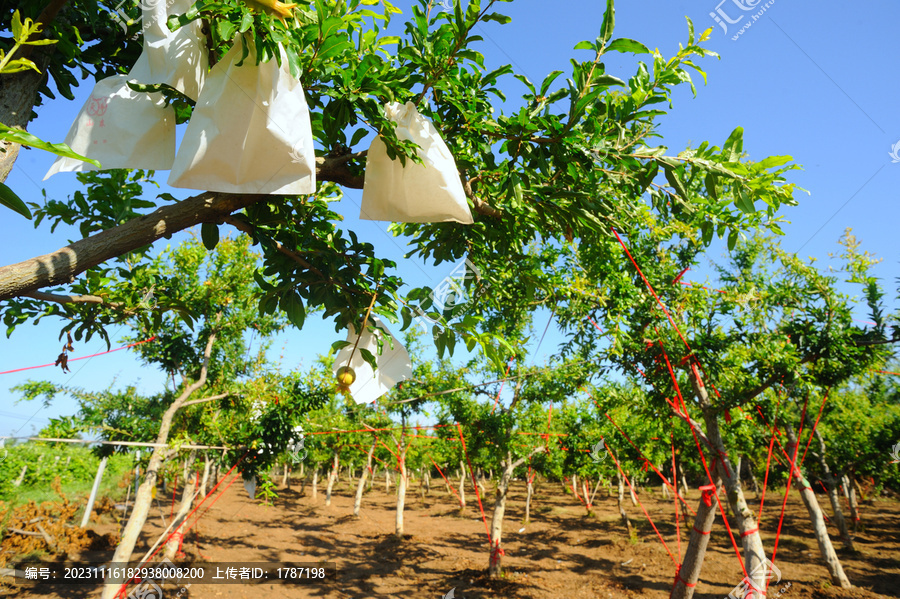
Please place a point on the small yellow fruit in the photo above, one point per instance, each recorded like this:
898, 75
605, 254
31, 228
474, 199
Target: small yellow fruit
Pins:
279, 10
345, 377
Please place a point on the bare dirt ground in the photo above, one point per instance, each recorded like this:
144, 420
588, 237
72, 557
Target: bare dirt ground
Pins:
561, 553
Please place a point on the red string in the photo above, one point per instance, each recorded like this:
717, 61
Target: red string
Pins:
449, 486
497, 399
137, 580
650, 287
815, 424
762, 499
787, 487
675, 497
474, 482
649, 519
83, 357
647, 461
575, 491
702, 456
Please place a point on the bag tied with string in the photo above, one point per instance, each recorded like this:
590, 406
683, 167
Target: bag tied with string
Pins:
177, 58
414, 193
393, 363
249, 132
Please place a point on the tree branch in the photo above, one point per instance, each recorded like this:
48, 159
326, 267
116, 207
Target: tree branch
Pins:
63, 265
521, 460
205, 399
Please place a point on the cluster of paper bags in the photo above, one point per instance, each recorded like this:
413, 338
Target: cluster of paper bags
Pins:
249, 132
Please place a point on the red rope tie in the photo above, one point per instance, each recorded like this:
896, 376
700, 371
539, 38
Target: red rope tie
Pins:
702, 532
708, 492
749, 532
496, 552
683, 581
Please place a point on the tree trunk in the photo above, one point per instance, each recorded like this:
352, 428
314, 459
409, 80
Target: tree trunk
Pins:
362, 480
143, 497
831, 485
315, 480
818, 521
387, 480
530, 492
496, 556
462, 485
634, 501
755, 561
286, 477
187, 500
621, 505
749, 468
850, 492
205, 481
332, 477
689, 572
402, 480
18, 93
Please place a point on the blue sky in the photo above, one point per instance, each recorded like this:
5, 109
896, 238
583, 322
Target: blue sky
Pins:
817, 81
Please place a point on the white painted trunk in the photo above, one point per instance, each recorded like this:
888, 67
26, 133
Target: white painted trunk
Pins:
332, 477
207, 466
315, 480
820, 531
402, 481
850, 493
496, 556
530, 492
184, 507
143, 496
831, 486
462, 485
362, 481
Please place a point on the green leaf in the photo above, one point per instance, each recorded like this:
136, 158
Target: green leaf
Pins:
623, 44
734, 145
209, 233
675, 182
292, 304
27, 139
9, 199
609, 22
369, 357
339, 345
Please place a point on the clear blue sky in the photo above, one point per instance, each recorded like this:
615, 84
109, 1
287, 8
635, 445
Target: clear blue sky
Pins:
817, 81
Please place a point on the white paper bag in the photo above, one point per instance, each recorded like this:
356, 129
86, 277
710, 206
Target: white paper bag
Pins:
249, 132
121, 128
416, 193
250, 487
394, 364
177, 58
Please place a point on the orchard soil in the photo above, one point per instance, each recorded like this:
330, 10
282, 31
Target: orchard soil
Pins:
561, 553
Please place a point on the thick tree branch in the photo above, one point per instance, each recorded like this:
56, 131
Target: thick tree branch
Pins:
67, 299
63, 265
205, 399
